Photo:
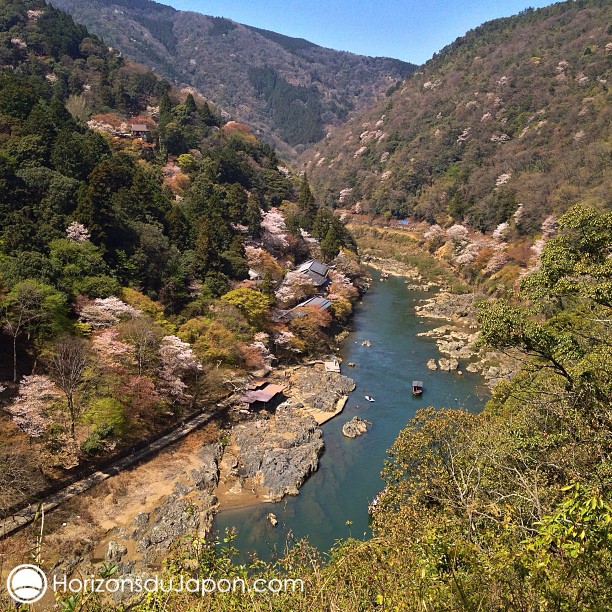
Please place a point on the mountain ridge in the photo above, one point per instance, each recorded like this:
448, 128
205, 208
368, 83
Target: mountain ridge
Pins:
515, 112
314, 86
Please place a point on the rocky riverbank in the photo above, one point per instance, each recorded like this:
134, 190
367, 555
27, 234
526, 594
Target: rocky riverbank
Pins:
270, 454
393, 267
189, 509
132, 520
458, 340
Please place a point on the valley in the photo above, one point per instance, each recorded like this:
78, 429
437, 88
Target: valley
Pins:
275, 312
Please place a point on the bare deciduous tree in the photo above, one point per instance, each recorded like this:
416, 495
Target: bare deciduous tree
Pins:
145, 337
67, 367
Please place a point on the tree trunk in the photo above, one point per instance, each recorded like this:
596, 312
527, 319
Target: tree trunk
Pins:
72, 416
14, 359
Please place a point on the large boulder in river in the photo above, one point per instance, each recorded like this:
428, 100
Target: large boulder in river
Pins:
355, 427
314, 388
446, 365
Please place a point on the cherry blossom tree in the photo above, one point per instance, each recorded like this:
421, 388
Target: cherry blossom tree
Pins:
106, 312
275, 230
31, 410
177, 362
77, 232
294, 288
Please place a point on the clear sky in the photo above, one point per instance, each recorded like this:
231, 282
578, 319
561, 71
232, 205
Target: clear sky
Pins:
412, 30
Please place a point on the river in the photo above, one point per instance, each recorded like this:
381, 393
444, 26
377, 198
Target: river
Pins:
333, 503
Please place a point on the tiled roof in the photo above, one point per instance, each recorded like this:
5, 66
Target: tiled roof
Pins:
316, 270
320, 303
262, 395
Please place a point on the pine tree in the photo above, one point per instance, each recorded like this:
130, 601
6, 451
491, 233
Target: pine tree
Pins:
332, 242
307, 205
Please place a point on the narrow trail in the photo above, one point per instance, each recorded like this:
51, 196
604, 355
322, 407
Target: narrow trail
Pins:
24, 517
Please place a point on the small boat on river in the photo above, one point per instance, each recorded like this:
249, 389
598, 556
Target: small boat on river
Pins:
370, 398
417, 387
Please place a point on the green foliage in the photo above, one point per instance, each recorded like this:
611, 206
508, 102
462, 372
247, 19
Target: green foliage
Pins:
107, 415
253, 304
576, 262
212, 341
296, 110
573, 281
96, 441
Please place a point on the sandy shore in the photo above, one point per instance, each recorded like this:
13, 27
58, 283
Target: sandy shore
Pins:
322, 416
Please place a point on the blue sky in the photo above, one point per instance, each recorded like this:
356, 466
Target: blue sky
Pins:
411, 30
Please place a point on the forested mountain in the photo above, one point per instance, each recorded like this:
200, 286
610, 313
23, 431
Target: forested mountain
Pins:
289, 89
515, 114
130, 217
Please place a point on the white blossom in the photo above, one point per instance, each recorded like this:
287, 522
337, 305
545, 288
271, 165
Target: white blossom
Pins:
275, 230
469, 254
105, 312
78, 232
434, 231
518, 214
457, 232
295, 286
177, 361
500, 138
502, 179
501, 231
284, 340
344, 194
30, 409
464, 135
497, 262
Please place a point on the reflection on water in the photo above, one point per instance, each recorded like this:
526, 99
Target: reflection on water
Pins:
349, 471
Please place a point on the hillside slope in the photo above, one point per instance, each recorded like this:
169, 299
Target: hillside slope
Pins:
140, 249
514, 114
288, 88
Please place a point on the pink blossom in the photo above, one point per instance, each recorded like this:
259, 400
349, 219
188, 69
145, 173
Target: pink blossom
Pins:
106, 312
78, 232
177, 361
275, 230
295, 287
30, 411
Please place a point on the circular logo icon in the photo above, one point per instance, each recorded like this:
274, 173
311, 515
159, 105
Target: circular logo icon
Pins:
26, 584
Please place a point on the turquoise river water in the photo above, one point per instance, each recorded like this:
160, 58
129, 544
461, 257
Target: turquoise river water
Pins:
348, 477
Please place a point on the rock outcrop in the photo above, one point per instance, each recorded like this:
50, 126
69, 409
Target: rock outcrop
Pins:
276, 455
319, 390
189, 510
355, 427
448, 306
